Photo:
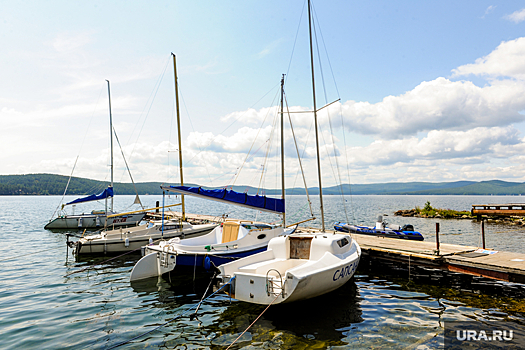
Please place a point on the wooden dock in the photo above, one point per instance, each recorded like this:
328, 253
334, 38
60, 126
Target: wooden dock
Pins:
516, 209
466, 260
499, 265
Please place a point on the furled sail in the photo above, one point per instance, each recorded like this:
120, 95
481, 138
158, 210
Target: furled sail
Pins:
222, 195
108, 192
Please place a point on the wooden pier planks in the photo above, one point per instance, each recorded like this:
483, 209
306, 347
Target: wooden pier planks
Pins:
506, 266
512, 209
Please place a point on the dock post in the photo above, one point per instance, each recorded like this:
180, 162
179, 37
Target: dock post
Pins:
157, 206
437, 237
483, 233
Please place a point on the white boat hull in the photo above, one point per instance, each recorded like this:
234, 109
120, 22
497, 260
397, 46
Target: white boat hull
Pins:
93, 221
272, 277
124, 240
164, 257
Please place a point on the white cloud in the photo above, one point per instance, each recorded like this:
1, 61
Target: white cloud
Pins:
507, 60
517, 16
441, 145
439, 104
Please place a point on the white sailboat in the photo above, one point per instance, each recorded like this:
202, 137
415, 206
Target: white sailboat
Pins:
96, 218
299, 266
133, 238
232, 240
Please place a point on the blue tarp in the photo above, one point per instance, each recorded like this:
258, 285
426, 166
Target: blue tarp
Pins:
230, 196
108, 192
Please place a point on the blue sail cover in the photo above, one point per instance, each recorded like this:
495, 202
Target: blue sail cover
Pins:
108, 192
230, 196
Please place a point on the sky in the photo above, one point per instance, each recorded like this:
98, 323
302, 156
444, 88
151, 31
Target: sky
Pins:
424, 90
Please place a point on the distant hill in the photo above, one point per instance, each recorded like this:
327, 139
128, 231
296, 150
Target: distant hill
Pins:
50, 184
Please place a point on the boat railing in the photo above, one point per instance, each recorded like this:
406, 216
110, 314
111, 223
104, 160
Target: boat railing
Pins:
274, 286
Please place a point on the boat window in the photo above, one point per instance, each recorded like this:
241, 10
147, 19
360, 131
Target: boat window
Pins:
261, 236
342, 242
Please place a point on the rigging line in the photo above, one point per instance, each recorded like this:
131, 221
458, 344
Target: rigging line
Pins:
256, 136
189, 118
295, 40
152, 96
169, 139
253, 321
342, 119
347, 167
80, 150
338, 175
171, 320
235, 121
298, 156
326, 53
268, 149
65, 189
127, 166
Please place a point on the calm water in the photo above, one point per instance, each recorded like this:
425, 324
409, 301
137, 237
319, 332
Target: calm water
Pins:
48, 301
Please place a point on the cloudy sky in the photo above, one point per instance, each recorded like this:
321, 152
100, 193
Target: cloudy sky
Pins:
429, 91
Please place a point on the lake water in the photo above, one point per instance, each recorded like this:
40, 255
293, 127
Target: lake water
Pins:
49, 302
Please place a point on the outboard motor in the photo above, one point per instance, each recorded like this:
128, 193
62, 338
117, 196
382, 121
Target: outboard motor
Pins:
379, 224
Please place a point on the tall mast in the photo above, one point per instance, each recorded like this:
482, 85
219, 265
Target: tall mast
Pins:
315, 116
178, 128
282, 146
111, 143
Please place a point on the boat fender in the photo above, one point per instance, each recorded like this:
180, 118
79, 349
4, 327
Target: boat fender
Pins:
207, 263
150, 241
126, 242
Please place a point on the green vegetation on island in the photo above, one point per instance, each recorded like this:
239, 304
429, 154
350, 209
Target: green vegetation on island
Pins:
430, 212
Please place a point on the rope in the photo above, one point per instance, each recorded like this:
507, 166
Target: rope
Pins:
253, 321
171, 320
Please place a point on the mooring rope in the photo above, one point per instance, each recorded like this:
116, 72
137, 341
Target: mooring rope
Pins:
253, 321
173, 319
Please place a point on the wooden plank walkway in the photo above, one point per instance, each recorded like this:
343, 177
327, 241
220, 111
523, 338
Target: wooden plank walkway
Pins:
499, 265
512, 209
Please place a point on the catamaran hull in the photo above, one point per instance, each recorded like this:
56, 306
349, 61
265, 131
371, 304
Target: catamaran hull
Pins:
125, 244
93, 221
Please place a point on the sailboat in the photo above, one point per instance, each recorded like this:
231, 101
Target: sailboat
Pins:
97, 218
233, 239
298, 266
129, 239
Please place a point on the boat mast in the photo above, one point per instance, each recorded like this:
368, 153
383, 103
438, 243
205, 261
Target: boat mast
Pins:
282, 146
178, 128
315, 117
111, 144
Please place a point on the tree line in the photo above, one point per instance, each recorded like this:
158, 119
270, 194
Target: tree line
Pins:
51, 184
